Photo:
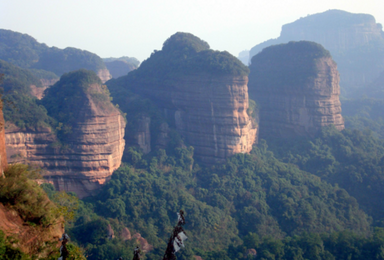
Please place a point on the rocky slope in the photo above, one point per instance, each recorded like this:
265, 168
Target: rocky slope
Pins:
297, 88
202, 93
355, 41
88, 143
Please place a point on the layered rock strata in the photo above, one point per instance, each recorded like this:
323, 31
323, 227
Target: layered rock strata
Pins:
88, 155
210, 112
297, 88
94, 152
355, 41
3, 154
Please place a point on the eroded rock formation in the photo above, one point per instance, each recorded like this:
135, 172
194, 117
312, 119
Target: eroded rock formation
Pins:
104, 75
3, 154
355, 41
202, 93
210, 112
297, 88
85, 156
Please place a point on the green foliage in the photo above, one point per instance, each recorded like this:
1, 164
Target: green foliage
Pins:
363, 114
250, 193
183, 55
9, 252
69, 59
24, 51
20, 191
21, 108
351, 158
184, 42
129, 60
67, 205
65, 100
285, 67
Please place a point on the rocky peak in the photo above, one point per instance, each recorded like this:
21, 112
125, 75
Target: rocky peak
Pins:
297, 88
203, 94
87, 143
355, 41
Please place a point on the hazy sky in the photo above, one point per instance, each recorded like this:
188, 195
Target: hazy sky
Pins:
135, 28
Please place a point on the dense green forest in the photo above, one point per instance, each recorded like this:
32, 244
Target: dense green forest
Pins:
253, 201
24, 51
182, 54
20, 107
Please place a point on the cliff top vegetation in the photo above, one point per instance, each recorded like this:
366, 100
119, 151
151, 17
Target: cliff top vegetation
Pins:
186, 54
292, 64
129, 60
74, 91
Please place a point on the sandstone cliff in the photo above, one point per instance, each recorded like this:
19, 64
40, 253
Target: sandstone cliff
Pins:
210, 112
89, 143
297, 88
104, 75
202, 93
355, 41
3, 154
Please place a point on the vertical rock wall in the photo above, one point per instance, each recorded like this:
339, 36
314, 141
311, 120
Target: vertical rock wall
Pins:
211, 113
297, 88
3, 154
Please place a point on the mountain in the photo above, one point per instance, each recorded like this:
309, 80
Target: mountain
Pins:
82, 142
203, 94
297, 88
355, 41
24, 51
121, 66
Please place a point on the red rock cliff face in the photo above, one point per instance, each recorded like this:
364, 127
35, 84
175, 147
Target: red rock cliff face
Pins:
295, 104
87, 159
3, 154
211, 113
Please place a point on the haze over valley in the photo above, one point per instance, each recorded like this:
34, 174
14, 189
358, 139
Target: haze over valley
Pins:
275, 154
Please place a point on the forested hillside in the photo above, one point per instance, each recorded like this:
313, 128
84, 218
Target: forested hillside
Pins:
45, 62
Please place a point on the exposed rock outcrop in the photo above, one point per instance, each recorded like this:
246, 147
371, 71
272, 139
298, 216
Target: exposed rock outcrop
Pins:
28, 238
355, 41
202, 93
297, 88
210, 112
144, 245
104, 75
3, 154
126, 234
141, 136
91, 142
119, 68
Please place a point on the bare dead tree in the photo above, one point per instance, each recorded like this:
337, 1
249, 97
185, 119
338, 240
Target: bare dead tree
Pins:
176, 241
